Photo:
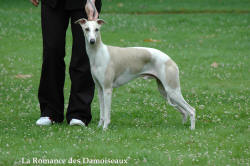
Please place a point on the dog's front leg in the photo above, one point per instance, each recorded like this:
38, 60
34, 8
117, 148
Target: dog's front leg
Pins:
107, 96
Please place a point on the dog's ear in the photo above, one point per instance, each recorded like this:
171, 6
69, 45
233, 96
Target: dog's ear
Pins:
81, 21
100, 21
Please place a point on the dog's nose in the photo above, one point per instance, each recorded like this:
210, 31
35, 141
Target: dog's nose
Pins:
92, 41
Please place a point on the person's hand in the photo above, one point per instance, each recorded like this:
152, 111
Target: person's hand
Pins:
91, 10
35, 2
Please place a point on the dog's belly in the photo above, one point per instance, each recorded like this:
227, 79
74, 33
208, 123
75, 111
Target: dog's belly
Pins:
127, 76
123, 79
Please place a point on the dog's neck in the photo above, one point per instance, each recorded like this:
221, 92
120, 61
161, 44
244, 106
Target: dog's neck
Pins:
92, 49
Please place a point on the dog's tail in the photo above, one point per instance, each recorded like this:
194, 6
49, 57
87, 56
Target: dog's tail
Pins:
163, 93
170, 102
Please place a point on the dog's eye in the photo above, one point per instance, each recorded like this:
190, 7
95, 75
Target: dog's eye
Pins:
96, 30
87, 29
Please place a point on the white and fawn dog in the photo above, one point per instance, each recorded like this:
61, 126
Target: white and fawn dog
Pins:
112, 67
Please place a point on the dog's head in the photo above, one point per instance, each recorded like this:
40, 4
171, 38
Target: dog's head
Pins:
91, 29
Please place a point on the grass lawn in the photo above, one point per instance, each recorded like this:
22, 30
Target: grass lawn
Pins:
211, 49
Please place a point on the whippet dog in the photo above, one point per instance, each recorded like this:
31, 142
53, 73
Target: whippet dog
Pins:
112, 67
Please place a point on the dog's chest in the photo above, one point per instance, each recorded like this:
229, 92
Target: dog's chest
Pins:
97, 72
99, 62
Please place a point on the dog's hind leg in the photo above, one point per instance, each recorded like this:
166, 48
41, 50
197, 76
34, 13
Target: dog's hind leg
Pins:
178, 99
173, 90
165, 95
161, 89
184, 114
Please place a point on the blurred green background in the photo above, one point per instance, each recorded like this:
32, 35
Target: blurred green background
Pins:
208, 39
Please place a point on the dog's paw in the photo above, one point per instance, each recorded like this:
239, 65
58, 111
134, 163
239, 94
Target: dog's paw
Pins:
184, 120
100, 124
192, 127
105, 128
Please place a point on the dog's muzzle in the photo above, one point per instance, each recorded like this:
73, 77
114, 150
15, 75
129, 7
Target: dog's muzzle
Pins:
92, 41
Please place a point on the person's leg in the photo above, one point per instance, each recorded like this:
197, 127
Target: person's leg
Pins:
82, 85
50, 95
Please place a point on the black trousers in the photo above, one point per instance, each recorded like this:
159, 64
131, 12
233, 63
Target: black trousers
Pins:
55, 22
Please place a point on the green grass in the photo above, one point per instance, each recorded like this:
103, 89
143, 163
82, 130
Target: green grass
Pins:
144, 6
144, 129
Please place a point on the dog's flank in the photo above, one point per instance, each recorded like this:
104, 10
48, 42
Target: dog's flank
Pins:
121, 66
114, 66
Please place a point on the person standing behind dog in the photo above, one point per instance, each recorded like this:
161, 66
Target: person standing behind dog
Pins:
55, 17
